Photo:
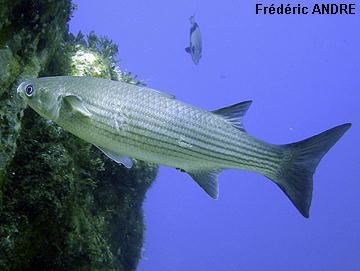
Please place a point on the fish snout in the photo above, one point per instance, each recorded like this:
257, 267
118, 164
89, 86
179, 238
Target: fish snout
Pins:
20, 89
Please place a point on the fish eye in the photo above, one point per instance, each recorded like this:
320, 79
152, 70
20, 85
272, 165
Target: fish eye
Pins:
29, 90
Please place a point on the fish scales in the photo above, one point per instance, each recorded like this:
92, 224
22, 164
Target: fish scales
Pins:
197, 130
194, 117
199, 120
130, 99
143, 102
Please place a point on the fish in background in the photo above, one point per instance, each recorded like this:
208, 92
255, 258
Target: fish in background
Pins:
195, 48
127, 121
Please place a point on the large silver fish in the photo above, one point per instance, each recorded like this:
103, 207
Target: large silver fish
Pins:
195, 48
125, 120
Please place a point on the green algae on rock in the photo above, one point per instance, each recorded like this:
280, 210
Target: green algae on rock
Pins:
63, 204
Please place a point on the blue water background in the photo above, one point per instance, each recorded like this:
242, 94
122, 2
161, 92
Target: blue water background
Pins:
303, 74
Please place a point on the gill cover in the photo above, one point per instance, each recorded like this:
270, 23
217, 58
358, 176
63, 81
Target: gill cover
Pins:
68, 103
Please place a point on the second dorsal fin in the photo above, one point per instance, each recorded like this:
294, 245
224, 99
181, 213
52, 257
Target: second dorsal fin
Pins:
234, 113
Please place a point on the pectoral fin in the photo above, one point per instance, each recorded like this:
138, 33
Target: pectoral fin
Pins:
188, 50
123, 160
76, 105
207, 181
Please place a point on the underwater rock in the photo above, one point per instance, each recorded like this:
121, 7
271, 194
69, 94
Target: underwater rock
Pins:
63, 204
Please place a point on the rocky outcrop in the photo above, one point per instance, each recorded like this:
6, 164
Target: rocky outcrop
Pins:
63, 204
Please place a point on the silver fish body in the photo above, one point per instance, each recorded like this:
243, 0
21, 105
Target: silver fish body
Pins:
195, 47
125, 120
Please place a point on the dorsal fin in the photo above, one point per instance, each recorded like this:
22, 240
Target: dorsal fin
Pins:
234, 113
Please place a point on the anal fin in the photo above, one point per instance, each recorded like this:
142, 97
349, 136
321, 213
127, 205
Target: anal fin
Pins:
208, 180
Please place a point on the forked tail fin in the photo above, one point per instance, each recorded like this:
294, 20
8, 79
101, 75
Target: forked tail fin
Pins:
295, 174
